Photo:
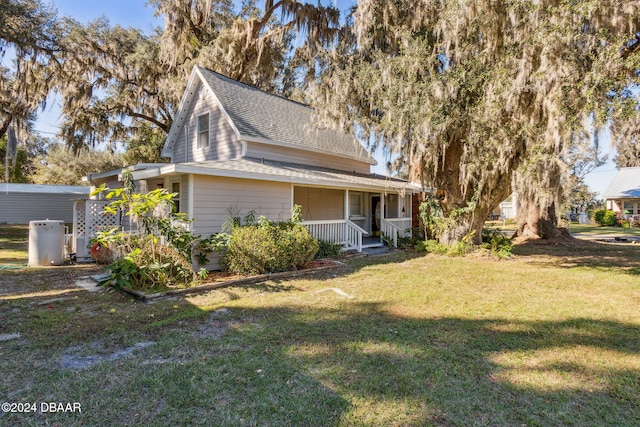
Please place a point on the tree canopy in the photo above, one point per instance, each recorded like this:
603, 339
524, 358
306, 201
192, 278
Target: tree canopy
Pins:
115, 79
30, 29
469, 92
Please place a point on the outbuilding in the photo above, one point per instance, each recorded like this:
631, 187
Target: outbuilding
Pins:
21, 203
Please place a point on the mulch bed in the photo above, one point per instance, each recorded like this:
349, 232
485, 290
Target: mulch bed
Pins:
219, 279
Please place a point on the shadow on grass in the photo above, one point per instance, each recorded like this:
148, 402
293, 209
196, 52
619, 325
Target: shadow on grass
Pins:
453, 371
353, 364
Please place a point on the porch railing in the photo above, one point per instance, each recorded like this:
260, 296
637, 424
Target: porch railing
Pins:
340, 231
395, 228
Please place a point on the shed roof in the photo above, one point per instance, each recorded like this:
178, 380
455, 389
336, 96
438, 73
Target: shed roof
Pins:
44, 189
625, 185
270, 119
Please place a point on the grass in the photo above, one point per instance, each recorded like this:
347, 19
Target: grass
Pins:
14, 240
600, 230
574, 227
549, 337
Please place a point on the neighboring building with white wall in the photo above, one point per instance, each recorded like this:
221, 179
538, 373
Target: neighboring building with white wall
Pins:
21, 203
623, 194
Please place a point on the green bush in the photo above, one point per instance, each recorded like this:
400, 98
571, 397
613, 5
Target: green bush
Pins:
457, 249
605, 217
269, 247
496, 242
154, 266
328, 249
142, 261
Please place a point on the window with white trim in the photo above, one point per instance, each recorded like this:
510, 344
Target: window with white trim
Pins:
355, 204
175, 188
203, 131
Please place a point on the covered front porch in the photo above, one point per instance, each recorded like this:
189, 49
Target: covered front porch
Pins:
348, 217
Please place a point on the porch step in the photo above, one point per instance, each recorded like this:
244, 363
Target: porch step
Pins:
372, 245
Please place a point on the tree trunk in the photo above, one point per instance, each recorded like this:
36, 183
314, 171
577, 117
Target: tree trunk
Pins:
537, 222
452, 197
469, 223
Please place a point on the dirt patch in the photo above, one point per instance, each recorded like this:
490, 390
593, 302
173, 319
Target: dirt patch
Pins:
77, 361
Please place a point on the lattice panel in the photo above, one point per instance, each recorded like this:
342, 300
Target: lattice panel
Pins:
80, 218
98, 219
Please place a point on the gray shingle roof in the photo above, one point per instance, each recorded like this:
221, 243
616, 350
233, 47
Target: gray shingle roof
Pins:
263, 116
626, 184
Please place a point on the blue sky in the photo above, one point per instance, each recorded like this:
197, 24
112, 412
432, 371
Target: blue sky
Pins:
137, 13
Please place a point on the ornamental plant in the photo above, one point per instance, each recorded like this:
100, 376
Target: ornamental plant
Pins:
155, 250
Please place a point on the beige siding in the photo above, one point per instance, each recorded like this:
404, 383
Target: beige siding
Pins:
291, 155
214, 196
223, 144
319, 203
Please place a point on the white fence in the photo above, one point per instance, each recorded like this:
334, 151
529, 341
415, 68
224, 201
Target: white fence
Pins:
345, 232
340, 231
395, 228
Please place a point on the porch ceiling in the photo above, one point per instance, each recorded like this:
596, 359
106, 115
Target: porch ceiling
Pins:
266, 170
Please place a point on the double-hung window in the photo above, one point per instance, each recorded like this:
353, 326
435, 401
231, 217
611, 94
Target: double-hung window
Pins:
203, 131
356, 208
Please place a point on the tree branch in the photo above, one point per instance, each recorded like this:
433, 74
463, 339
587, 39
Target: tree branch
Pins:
151, 119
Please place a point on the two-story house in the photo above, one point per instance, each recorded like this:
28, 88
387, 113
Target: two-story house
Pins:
234, 147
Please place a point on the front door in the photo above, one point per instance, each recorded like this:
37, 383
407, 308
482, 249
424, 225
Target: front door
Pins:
375, 215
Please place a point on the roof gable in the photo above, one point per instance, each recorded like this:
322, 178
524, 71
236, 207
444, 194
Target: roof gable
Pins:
265, 118
626, 184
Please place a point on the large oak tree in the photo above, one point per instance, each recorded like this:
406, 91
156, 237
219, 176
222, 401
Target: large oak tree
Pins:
467, 92
117, 80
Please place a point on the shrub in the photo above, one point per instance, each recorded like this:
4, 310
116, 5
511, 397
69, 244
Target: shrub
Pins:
433, 247
496, 242
328, 249
415, 241
154, 266
605, 217
269, 247
163, 267
142, 260
457, 249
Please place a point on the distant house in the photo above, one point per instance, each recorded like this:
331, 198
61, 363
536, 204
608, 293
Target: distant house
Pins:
21, 203
623, 194
235, 147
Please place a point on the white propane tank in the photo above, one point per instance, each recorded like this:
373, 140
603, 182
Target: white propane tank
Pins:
46, 243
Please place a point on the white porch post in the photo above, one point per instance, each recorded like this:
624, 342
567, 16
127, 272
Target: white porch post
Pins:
382, 202
346, 215
400, 206
346, 204
190, 197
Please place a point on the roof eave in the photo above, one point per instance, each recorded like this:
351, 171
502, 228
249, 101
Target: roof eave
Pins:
368, 159
204, 170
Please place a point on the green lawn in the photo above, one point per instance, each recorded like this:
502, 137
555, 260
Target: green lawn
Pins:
599, 230
14, 244
574, 227
549, 337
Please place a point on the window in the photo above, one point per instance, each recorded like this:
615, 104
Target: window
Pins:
203, 131
175, 188
627, 208
355, 204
